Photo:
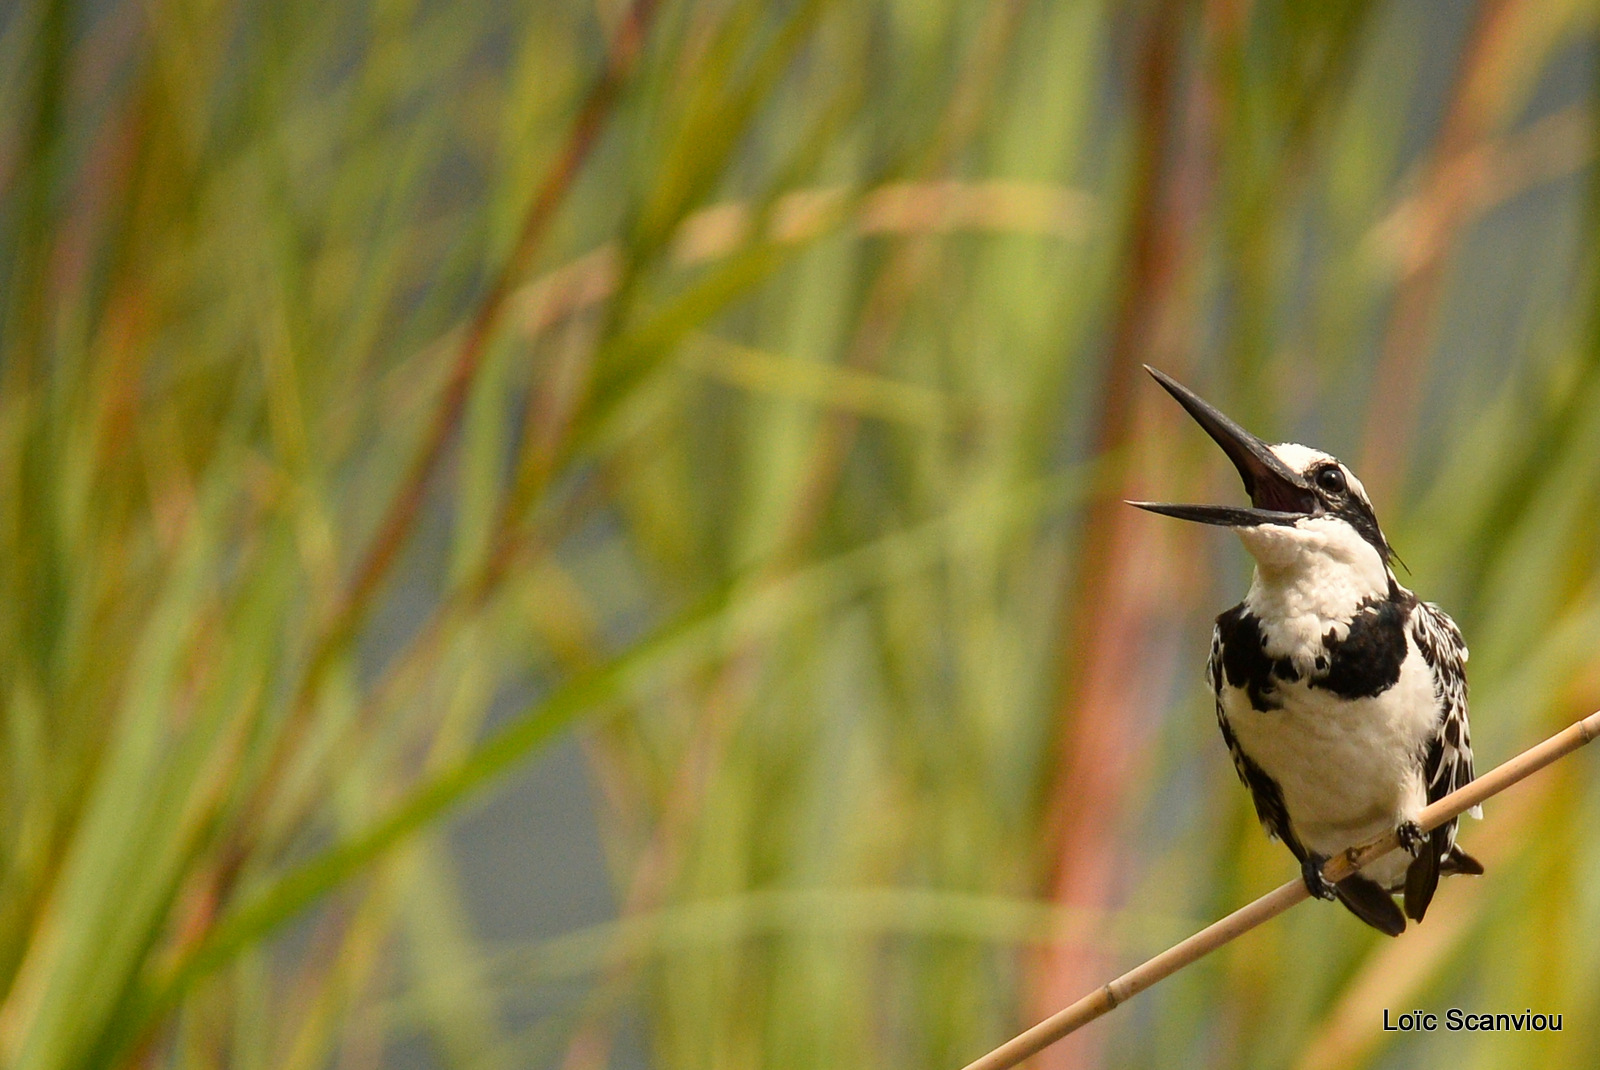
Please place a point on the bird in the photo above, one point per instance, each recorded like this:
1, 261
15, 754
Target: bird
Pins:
1341, 696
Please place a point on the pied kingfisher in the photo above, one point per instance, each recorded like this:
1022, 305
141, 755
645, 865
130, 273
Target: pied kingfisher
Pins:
1342, 698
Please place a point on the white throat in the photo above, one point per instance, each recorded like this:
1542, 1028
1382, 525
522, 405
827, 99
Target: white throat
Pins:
1310, 579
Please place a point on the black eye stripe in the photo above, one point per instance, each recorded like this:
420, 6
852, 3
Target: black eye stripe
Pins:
1358, 514
1343, 500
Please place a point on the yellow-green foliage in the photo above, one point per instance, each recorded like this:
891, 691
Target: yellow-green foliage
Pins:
742, 396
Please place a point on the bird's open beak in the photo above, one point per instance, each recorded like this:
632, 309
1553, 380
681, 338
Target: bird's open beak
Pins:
1278, 494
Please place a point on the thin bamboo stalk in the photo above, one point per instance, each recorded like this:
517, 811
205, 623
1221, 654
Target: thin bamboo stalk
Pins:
1278, 900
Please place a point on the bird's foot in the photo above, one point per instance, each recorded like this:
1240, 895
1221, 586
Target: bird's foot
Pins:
1311, 872
1411, 837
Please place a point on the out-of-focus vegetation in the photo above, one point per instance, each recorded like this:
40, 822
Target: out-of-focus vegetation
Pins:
752, 385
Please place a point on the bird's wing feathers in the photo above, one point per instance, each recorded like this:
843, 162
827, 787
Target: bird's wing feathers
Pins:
1448, 763
1264, 791
1214, 678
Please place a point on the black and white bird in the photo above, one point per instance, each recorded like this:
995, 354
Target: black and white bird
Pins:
1341, 696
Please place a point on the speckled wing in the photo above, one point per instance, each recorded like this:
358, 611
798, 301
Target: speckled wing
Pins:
1264, 791
1214, 679
1448, 763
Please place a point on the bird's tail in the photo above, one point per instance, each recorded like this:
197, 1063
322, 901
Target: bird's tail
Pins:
1436, 861
1366, 899
1373, 904
1458, 861
1422, 875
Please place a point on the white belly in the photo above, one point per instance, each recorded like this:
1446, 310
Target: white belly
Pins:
1349, 769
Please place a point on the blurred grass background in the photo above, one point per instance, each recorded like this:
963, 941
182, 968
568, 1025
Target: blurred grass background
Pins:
392, 390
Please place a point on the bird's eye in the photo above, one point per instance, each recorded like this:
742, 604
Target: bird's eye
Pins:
1331, 479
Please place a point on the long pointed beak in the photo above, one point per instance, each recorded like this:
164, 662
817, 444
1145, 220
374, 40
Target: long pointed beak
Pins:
1276, 490
1228, 516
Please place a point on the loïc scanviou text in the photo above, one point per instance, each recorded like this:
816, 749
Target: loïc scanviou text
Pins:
1456, 1020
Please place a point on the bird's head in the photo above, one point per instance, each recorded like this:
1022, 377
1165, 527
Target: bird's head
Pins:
1305, 505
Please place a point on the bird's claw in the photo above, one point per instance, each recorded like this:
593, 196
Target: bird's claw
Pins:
1411, 837
1311, 872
